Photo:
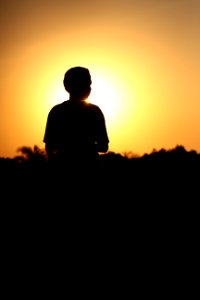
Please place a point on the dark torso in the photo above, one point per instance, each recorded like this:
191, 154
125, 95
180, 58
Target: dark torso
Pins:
75, 127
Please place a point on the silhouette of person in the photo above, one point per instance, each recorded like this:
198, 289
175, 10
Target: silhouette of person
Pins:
75, 128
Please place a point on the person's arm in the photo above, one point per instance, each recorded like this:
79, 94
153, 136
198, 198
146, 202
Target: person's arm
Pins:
50, 150
102, 146
50, 135
102, 136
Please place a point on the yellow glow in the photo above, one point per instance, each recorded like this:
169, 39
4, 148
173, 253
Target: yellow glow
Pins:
56, 93
106, 94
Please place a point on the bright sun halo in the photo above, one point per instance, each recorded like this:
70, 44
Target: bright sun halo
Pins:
104, 94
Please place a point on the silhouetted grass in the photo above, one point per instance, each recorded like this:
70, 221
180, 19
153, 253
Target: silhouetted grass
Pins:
144, 208
164, 173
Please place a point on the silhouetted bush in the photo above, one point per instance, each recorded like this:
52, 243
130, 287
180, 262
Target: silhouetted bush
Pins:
164, 173
128, 200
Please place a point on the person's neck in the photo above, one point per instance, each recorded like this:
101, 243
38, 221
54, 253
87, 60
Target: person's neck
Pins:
76, 98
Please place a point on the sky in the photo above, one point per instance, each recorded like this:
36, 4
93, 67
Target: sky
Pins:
143, 56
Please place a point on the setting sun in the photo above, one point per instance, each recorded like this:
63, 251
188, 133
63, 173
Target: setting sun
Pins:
108, 91
106, 94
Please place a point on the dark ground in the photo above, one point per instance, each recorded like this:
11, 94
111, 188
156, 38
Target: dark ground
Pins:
126, 219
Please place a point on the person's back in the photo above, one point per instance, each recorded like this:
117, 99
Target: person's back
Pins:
75, 129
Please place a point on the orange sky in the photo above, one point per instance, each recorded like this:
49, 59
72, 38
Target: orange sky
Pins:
143, 57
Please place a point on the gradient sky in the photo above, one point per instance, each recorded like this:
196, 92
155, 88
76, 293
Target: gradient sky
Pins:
144, 58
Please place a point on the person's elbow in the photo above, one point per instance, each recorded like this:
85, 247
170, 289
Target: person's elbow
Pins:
50, 150
103, 147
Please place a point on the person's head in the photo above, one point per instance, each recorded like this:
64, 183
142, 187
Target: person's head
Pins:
77, 82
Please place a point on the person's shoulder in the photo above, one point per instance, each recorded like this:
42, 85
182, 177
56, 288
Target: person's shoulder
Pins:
94, 107
58, 107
